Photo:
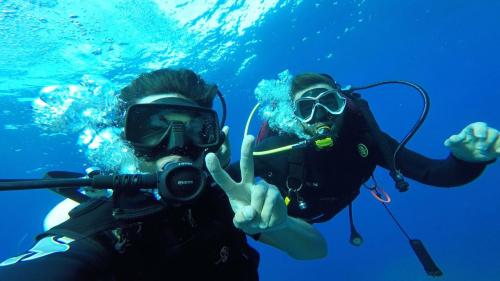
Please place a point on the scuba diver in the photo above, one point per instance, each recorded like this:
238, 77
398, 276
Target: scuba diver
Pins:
171, 221
320, 144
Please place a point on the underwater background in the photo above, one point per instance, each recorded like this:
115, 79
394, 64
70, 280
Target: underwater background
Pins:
451, 48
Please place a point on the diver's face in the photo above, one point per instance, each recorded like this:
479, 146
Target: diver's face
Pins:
321, 117
158, 164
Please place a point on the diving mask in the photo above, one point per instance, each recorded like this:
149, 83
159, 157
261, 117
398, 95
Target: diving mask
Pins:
168, 124
328, 99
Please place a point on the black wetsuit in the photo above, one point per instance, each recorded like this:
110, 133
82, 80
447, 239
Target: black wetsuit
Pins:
331, 179
196, 243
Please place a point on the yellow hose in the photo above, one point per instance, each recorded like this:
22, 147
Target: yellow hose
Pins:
265, 152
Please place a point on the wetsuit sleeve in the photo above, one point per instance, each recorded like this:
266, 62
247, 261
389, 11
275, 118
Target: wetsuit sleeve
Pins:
59, 258
447, 172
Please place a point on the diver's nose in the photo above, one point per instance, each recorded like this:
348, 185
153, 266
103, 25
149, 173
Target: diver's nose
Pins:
320, 115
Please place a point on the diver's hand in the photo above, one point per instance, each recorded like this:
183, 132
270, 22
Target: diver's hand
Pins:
257, 207
224, 152
475, 143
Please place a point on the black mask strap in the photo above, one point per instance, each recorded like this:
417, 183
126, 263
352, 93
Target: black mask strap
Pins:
224, 109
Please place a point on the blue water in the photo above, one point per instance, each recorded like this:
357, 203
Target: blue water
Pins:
449, 47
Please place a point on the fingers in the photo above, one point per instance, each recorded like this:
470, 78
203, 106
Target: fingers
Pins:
246, 161
244, 216
224, 152
226, 146
491, 139
479, 130
258, 197
218, 174
476, 139
271, 208
265, 211
474, 131
269, 205
496, 143
487, 138
225, 130
454, 140
467, 134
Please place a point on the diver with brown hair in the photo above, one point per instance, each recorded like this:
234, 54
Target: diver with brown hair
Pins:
320, 144
170, 221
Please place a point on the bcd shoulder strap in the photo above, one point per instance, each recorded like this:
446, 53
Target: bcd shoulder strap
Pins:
364, 109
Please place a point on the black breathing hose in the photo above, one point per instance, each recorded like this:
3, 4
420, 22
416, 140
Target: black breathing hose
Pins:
421, 119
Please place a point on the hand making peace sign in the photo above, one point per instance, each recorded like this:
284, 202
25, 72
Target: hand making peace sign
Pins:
258, 207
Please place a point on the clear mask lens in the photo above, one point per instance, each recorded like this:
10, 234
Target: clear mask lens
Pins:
330, 100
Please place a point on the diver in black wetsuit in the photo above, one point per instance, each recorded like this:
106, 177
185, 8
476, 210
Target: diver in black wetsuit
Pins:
184, 231
321, 181
323, 174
